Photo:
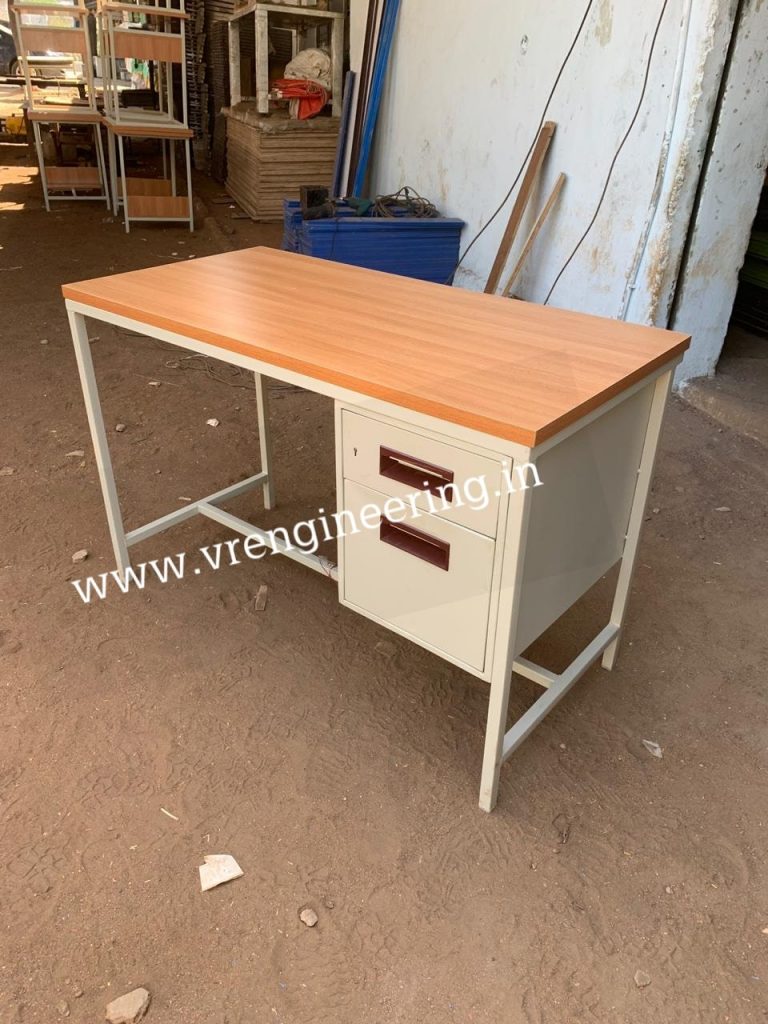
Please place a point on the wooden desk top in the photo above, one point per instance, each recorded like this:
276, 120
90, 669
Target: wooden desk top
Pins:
511, 369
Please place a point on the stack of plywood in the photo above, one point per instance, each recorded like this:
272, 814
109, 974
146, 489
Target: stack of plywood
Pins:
197, 92
270, 157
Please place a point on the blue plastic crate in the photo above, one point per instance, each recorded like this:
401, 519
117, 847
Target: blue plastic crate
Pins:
424, 248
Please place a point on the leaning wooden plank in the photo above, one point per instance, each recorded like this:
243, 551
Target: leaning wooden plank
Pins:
361, 104
539, 224
378, 78
521, 203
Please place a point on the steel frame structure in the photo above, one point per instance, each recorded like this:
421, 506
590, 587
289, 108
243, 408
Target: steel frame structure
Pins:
504, 642
165, 48
34, 36
290, 14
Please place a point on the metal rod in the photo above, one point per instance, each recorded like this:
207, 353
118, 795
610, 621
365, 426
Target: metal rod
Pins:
525, 725
316, 562
637, 513
265, 440
179, 515
99, 437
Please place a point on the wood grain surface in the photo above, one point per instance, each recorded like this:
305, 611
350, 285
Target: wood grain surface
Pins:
511, 369
64, 115
73, 177
147, 128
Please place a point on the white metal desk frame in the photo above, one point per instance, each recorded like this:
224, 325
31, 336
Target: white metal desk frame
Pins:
500, 742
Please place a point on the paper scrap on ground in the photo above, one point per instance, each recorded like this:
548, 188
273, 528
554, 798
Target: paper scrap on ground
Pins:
652, 748
218, 868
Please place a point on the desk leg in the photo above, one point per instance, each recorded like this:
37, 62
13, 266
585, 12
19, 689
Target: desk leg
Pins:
190, 203
124, 177
99, 437
41, 163
172, 160
102, 163
505, 647
265, 440
113, 175
637, 514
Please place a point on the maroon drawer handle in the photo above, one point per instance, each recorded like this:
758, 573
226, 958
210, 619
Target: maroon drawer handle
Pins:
414, 542
415, 472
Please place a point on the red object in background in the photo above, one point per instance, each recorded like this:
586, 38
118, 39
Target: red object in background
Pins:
311, 95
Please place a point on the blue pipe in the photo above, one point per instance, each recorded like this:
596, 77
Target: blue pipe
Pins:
386, 36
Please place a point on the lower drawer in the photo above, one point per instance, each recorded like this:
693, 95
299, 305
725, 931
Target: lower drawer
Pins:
424, 577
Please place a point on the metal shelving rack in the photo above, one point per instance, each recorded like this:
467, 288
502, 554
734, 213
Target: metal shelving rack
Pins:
160, 39
83, 182
304, 23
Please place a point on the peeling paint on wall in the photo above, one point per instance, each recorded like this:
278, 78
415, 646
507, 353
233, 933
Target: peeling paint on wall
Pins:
680, 167
728, 199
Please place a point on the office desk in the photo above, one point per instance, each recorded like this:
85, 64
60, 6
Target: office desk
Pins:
435, 388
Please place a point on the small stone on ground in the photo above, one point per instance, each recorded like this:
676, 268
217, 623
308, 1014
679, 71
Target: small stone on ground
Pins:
642, 979
309, 917
80, 556
129, 1008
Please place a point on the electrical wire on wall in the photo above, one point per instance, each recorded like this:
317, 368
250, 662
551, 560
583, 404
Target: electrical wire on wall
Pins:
616, 155
512, 187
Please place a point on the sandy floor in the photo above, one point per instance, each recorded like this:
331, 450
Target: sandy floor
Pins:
339, 764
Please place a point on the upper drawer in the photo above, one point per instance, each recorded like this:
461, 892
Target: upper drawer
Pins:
447, 481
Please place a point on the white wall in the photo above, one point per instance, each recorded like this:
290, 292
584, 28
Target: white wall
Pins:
465, 92
730, 191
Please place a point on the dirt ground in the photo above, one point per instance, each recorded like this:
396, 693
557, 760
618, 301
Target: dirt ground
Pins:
338, 763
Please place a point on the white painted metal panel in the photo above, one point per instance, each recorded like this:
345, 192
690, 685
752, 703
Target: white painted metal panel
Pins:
579, 516
444, 609
476, 478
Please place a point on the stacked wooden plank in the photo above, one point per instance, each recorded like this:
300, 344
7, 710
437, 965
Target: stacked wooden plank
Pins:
218, 76
218, 10
270, 157
197, 92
